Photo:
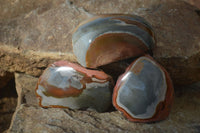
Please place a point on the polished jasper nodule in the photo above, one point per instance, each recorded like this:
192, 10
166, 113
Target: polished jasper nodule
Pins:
144, 93
108, 38
141, 89
64, 84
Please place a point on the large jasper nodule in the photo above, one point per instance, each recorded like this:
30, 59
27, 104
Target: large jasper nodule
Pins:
144, 92
64, 84
108, 38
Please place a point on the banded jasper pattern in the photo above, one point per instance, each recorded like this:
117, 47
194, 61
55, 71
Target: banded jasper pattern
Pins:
108, 38
64, 84
144, 92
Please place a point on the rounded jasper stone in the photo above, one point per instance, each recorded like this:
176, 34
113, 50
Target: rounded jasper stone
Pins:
144, 93
64, 84
108, 38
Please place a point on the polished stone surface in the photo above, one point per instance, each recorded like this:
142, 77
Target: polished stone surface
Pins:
68, 85
94, 31
29, 117
141, 92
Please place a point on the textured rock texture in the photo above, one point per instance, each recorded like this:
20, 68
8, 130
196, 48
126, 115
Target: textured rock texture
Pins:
29, 117
31, 41
15, 8
194, 2
34, 34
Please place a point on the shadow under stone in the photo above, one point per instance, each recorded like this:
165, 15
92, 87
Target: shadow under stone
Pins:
8, 101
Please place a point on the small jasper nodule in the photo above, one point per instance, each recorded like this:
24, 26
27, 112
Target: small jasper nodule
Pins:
68, 85
105, 39
144, 93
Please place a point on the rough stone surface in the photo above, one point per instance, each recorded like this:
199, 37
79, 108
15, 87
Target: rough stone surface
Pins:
29, 117
34, 34
178, 42
31, 40
194, 2
14, 8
